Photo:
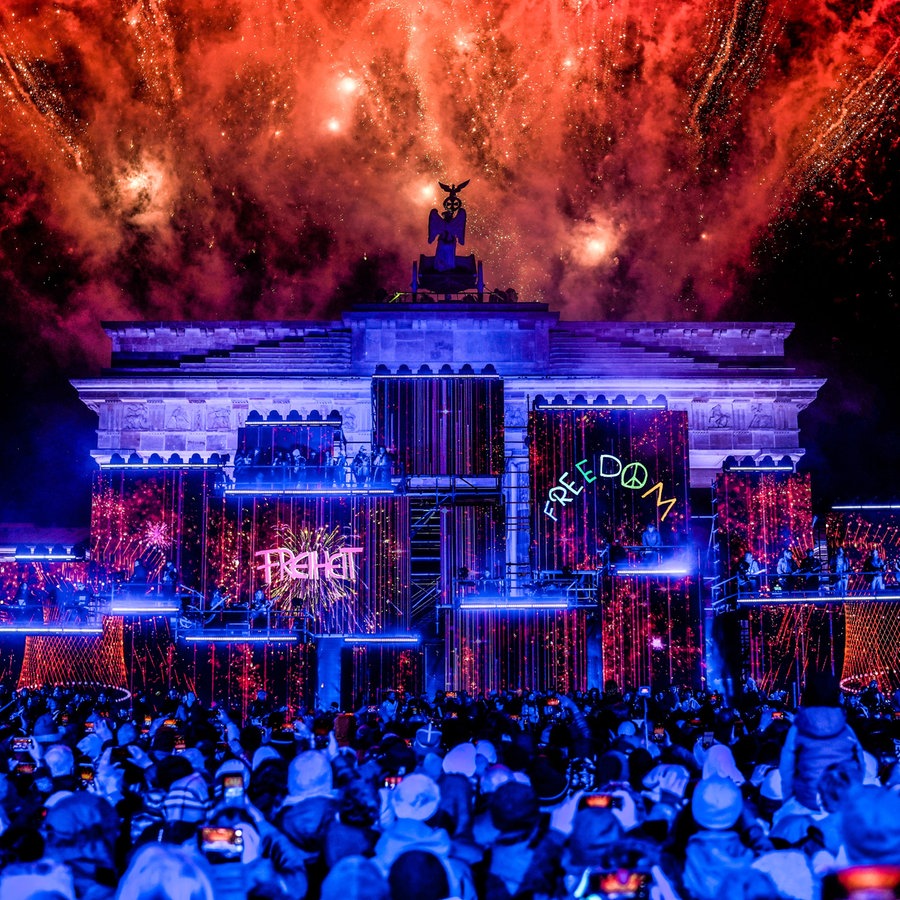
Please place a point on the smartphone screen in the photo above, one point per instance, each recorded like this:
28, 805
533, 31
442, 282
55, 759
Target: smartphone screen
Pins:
222, 843
600, 801
877, 882
233, 788
623, 884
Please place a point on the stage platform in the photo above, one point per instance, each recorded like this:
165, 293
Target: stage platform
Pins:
781, 598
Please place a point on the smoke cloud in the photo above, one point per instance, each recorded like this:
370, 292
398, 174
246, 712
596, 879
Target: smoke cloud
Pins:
194, 159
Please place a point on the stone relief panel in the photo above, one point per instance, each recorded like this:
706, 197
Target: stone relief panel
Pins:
761, 416
516, 415
218, 418
135, 417
177, 418
719, 416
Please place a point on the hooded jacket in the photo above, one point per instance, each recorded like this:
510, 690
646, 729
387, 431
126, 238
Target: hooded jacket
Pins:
711, 856
818, 738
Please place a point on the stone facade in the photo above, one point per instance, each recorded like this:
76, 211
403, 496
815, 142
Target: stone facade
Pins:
181, 390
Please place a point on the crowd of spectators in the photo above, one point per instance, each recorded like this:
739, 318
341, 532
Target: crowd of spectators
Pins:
594, 794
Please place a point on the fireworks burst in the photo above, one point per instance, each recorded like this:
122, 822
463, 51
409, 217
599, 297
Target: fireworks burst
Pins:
182, 157
329, 601
158, 535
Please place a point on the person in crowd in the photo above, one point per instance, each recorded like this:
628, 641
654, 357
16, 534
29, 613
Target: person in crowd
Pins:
299, 466
169, 577
818, 737
381, 466
138, 572
715, 851
361, 467
484, 797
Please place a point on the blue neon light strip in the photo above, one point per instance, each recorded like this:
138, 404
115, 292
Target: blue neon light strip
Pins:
242, 638
46, 557
775, 600
307, 492
638, 407
381, 639
117, 610
273, 423
514, 605
868, 506
162, 465
51, 629
677, 573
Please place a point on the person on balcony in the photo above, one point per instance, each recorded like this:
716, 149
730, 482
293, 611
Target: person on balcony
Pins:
873, 571
748, 573
840, 571
810, 571
786, 571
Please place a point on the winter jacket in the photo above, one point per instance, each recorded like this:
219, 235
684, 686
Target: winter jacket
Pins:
710, 858
818, 738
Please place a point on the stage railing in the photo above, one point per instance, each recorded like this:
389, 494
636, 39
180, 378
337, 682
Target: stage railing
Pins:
799, 587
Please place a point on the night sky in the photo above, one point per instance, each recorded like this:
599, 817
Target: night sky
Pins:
205, 159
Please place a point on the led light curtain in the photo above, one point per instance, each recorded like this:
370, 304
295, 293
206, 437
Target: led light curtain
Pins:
473, 549
230, 672
783, 644
378, 669
440, 426
495, 649
335, 564
50, 583
51, 659
234, 672
650, 632
601, 475
363, 537
872, 648
340, 560
149, 517
765, 513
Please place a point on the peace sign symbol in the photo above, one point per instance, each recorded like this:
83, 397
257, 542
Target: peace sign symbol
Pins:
634, 476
